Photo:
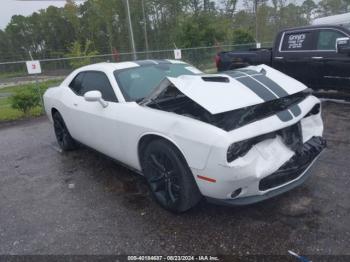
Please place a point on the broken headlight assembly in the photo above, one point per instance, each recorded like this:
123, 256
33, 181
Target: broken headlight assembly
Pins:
292, 137
241, 148
237, 150
314, 111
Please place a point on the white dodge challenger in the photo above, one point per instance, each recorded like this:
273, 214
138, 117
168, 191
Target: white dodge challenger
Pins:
237, 137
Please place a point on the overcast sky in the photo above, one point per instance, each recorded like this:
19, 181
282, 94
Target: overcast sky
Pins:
8, 8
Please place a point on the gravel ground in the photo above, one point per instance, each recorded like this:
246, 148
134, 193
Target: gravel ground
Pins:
83, 203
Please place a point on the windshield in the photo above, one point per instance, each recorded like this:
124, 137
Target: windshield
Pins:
138, 82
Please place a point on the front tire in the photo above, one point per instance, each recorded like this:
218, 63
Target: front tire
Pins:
64, 139
169, 177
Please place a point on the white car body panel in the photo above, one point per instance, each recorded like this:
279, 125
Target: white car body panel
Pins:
117, 129
223, 97
245, 172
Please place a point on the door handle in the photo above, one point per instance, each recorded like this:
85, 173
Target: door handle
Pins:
317, 57
279, 57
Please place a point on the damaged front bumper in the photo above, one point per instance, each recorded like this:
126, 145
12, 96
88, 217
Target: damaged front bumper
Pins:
279, 161
290, 175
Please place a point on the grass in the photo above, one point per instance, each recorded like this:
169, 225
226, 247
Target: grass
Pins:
7, 113
43, 85
12, 74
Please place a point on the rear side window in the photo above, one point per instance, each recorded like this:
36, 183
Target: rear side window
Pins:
298, 41
75, 85
326, 39
94, 80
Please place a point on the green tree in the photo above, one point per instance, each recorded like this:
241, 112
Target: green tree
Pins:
19, 33
229, 7
5, 50
242, 37
85, 52
56, 32
201, 30
71, 14
292, 15
308, 8
333, 7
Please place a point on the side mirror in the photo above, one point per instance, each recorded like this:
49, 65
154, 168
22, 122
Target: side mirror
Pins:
95, 96
342, 45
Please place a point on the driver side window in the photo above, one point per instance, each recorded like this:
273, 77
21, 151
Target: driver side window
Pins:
93, 80
327, 38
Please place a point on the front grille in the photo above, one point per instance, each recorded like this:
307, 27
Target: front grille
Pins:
295, 166
292, 136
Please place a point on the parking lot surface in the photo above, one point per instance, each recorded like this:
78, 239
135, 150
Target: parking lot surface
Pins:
83, 203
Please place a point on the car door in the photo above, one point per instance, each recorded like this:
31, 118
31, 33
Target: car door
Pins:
294, 54
334, 67
70, 97
96, 126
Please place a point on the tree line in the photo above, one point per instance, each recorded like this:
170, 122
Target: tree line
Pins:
101, 27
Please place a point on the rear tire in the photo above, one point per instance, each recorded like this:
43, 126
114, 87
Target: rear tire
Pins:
64, 139
169, 177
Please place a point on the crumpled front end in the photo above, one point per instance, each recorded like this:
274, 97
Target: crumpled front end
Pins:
276, 159
269, 130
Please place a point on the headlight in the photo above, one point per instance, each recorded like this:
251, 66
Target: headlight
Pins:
241, 148
238, 149
314, 111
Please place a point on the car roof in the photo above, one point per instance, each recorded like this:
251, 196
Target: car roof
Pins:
320, 26
107, 66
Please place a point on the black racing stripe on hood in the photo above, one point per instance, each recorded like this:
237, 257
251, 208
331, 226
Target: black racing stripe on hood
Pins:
248, 71
264, 94
278, 90
267, 83
273, 86
257, 88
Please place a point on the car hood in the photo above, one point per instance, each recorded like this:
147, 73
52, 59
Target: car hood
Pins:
231, 90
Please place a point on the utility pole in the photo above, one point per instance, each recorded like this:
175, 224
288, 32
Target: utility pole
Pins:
145, 26
256, 20
131, 32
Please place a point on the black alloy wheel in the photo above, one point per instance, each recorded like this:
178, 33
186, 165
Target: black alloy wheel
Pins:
64, 139
169, 178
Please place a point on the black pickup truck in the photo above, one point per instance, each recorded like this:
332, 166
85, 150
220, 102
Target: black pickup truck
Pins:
318, 56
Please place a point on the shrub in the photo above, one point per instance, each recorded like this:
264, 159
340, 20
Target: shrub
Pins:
25, 100
79, 50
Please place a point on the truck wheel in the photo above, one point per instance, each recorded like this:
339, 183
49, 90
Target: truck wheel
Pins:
169, 177
64, 139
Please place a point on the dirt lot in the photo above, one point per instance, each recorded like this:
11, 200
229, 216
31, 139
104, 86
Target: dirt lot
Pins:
83, 203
